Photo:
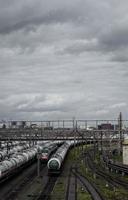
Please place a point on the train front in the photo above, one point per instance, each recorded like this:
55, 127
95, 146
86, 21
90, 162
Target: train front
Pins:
44, 155
54, 166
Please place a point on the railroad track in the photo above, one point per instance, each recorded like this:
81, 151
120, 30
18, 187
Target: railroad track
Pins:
18, 171
119, 168
89, 186
71, 192
75, 177
13, 187
111, 180
115, 182
46, 191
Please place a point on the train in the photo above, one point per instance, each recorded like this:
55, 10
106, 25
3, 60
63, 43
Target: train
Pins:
55, 163
14, 147
18, 161
47, 151
21, 160
5, 153
10, 144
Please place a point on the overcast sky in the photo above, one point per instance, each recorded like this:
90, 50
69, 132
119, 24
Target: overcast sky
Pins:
63, 58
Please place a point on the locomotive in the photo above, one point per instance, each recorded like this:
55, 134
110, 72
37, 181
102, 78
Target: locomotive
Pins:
47, 151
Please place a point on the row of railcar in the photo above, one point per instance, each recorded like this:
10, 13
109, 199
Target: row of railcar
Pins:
10, 144
5, 153
12, 165
18, 161
56, 161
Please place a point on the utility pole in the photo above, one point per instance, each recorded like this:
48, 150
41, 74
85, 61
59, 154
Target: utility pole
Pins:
74, 130
101, 143
94, 144
8, 148
38, 163
120, 131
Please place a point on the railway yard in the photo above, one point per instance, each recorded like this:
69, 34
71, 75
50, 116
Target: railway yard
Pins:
63, 100
67, 165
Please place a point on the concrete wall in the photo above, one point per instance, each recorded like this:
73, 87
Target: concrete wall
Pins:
125, 154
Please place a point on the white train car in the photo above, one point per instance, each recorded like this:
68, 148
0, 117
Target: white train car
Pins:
55, 163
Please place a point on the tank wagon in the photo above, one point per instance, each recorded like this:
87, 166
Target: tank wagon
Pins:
11, 144
17, 162
56, 161
6, 153
3, 154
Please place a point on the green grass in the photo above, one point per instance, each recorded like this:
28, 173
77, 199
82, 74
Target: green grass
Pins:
59, 190
82, 195
117, 158
107, 191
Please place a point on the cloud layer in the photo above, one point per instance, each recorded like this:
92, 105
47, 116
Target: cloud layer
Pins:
60, 59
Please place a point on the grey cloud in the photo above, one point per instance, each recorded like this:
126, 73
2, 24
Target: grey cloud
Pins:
115, 38
61, 59
81, 46
114, 44
120, 58
120, 55
58, 16
27, 15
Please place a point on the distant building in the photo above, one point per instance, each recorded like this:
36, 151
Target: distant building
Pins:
18, 124
13, 124
2, 125
22, 124
106, 126
48, 128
